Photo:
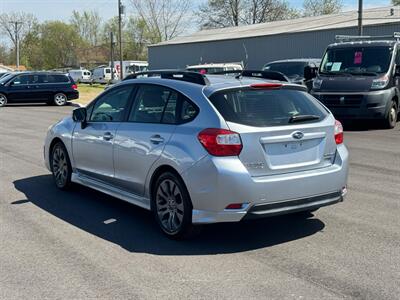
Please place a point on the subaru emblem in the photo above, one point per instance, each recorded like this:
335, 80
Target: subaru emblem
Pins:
297, 135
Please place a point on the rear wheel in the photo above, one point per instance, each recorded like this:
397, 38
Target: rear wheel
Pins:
3, 100
391, 118
60, 99
172, 207
61, 166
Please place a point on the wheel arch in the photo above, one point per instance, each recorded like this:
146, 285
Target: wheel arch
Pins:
51, 147
156, 174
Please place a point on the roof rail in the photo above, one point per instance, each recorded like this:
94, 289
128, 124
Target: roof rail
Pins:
271, 75
187, 76
347, 38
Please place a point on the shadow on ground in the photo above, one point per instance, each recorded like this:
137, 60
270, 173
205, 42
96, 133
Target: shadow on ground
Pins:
133, 228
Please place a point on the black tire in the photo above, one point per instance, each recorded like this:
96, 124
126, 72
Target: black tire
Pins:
61, 166
391, 118
3, 100
172, 207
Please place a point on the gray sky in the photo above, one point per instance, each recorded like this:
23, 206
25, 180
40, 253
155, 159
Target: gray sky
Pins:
62, 9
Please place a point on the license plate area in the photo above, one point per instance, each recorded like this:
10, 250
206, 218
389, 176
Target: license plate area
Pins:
294, 154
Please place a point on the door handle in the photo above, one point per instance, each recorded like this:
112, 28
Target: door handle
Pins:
156, 139
108, 136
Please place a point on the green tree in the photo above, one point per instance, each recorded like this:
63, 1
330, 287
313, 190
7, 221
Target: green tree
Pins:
60, 44
396, 2
321, 7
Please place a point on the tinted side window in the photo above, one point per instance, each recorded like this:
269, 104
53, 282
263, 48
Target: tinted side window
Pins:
398, 56
150, 103
188, 111
112, 106
22, 79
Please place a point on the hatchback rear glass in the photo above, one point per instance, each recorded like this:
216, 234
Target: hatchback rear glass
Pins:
262, 108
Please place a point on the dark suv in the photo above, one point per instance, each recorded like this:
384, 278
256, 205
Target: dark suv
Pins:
28, 87
359, 78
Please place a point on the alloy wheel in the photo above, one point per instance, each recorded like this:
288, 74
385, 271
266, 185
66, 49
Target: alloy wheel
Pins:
169, 206
3, 100
60, 166
60, 99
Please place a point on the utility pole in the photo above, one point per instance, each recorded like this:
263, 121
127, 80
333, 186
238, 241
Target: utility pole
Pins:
360, 17
112, 44
16, 32
121, 9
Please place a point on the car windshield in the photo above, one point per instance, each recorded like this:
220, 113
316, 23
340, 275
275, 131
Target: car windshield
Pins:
5, 78
262, 108
357, 60
290, 69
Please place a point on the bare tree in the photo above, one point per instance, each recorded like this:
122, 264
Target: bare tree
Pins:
321, 7
88, 25
226, 13
165, 19
7, 28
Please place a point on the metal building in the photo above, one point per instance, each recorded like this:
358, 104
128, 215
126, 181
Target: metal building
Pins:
260, 43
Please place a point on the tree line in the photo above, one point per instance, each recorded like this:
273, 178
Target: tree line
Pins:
84, 40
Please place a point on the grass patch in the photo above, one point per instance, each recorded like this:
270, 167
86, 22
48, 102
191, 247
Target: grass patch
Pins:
88, 92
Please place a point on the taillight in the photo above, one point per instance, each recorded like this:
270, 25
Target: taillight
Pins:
220, 142
266, 86
74, 86
338, 132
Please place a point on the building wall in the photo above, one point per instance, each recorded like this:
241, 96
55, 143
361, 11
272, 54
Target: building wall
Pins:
260, 50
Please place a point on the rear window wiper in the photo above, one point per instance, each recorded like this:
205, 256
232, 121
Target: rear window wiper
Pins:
303, 118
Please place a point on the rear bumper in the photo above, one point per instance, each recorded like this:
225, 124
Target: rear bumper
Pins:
73, 95
215, 183
366, 105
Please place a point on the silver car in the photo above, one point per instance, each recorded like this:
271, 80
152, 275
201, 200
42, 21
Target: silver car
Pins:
197, 150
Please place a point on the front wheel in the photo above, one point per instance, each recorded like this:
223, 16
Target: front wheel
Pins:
3, 100
60, 99
391, 118
172, 207
61, 166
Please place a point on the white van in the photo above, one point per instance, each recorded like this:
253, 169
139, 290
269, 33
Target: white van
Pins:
81, 76
131, 66
103, 75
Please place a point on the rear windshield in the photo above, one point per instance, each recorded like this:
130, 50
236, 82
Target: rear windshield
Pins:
266, 107
357, 60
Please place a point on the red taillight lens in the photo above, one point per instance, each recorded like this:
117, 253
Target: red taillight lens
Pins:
266, 86
338, 132
74, 86
220, 142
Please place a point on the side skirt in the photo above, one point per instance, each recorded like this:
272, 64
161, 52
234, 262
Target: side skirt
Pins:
111, 190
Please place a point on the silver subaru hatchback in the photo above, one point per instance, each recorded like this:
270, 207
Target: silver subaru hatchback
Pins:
198, 149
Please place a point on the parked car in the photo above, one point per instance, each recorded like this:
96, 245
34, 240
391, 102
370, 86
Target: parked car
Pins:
103, 75
359, 78
27, 87
296, 69
81, 75
215, 68
197, 150
131, 67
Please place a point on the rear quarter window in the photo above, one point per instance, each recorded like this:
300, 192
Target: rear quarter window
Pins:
262, 108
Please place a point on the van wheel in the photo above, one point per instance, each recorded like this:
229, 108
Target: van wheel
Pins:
391, 118
60, 99
3, 100
172, 207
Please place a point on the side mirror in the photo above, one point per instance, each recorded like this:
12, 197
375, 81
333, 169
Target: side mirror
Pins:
79, 115
310, 72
